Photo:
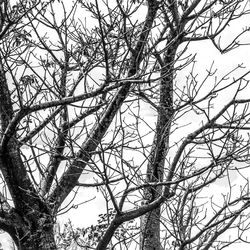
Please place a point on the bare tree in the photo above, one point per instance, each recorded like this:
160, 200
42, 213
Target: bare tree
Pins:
75, 82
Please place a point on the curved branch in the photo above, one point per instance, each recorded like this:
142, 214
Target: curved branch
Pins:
69, 179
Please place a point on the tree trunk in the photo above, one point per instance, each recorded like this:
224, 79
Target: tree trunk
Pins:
150, 234
38, 239
150, 222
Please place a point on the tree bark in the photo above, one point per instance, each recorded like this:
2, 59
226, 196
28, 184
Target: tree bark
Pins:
150, 222
150, 234
39, 239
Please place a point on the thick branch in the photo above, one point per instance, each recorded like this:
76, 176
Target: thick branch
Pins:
70, 177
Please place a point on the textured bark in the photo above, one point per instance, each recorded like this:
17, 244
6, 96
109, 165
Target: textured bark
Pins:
150, 222
150, 234
39, 239
30, 222
6, 110
33, 231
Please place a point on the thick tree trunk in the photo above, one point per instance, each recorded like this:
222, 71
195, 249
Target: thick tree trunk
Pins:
38, 239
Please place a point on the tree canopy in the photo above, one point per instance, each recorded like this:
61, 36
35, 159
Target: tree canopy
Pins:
113, 95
